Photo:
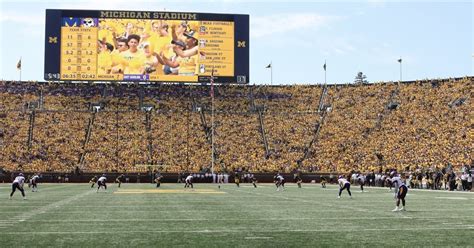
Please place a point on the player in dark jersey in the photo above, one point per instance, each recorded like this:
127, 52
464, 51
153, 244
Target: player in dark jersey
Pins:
92, 181
254, 181
220, 180
237, 179
28, 180
158, 178
361, 180
323, 182
298, 181
119, 180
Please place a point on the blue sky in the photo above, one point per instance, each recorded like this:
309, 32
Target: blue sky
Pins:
434, 39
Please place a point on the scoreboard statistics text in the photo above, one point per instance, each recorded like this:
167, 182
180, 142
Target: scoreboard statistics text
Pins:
146, 46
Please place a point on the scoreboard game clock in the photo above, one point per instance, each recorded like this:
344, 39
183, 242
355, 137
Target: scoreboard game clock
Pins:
78, 53
146, 46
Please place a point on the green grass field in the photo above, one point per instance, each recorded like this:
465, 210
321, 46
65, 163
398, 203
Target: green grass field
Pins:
138, 215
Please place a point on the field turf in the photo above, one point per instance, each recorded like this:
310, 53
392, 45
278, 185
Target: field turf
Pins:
139, 215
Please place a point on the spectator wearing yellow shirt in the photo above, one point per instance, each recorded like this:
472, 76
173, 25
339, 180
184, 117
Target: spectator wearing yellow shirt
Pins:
152, 65
160, 39
104, 60
118, 61
135, 58
106, 32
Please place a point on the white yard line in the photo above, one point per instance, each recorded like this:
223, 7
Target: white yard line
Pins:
197, 211
451, 198
428, 190
233, 219
342, 230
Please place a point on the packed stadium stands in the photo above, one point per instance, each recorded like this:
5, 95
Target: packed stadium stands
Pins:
55, 126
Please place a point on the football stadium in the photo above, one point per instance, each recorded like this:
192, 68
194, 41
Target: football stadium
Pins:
146, 129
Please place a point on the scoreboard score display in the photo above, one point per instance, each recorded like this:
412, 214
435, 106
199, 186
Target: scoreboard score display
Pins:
97, 45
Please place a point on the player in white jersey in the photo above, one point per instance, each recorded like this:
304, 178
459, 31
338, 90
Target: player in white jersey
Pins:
34, 183
188, 182
344, 184
361, 181
394, 181
18, 184
101, 182
279, 182
400, 191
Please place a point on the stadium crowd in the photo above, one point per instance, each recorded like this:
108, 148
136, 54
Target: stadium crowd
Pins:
425, 124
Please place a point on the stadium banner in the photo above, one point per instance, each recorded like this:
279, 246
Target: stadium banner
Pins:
102, 45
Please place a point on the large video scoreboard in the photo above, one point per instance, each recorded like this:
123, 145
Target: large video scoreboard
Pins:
90, 45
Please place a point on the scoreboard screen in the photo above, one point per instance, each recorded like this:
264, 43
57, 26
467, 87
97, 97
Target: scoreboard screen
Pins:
97, 45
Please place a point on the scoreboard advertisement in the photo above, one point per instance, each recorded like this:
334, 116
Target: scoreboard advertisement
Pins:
98, 45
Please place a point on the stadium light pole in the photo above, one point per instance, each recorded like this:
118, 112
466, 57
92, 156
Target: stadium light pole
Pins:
212, 120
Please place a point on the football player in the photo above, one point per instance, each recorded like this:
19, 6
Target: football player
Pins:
92, 181
237, 179
102, 182
323, 182
34, 183
361, 181
220, 179
18, 184
119, 180
279, 182
158, 178
188, 181
28, 180
254, 181
344, 185
298, 181
400, 191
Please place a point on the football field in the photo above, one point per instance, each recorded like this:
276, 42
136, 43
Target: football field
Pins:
139, 215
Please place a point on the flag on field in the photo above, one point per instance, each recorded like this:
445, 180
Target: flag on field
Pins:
18, 65
269, 65
324, 66
399, 60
